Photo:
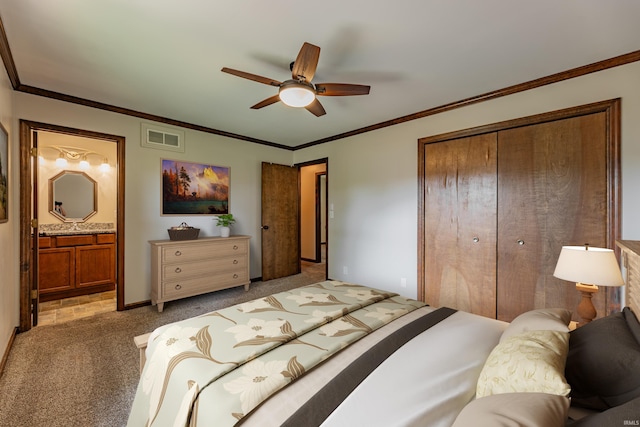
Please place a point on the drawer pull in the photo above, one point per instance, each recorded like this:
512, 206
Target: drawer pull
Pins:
178, 270
235, 247
178, 287
235, 276
235, 261
178, 253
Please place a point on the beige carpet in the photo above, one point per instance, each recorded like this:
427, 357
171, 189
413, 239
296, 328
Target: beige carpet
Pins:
85, 372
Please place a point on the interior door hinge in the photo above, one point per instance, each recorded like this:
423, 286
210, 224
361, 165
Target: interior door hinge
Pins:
34, 152
34, 223
34, 294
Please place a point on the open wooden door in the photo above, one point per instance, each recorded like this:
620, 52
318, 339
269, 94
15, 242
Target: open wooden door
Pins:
280, 221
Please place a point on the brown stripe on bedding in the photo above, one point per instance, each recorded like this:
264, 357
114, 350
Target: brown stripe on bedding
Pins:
323, 403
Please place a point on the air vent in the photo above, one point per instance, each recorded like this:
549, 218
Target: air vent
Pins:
159, 137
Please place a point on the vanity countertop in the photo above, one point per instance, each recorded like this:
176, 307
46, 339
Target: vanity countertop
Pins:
75, 232
70, 229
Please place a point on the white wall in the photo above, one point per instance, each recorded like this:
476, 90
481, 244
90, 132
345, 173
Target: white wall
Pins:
9, 247
372, 182
143, 221
373, 177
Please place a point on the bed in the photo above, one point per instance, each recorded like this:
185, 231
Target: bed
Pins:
341, 354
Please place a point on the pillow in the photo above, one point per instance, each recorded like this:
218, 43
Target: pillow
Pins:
533, 361
551, 319
603, 364
626, 414
515, 409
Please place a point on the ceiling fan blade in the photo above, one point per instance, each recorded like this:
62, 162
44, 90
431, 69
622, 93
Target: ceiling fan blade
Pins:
253, 77
341, 89
271, 100
316, 108
306, 63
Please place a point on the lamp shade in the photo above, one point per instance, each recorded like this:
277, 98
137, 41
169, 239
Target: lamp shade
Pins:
587, 265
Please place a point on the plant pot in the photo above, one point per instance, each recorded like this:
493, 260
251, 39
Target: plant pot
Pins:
224, 231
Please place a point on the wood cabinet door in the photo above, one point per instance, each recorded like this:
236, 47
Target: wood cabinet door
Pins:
95, 265
552, 191
56, 270
460, 224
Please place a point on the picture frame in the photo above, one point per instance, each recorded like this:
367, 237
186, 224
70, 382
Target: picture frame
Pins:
194, 188
4, 174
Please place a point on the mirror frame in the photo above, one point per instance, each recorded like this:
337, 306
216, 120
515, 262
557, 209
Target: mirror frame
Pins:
52, 210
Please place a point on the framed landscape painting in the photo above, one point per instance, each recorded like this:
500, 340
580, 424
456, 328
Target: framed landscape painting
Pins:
4, 175
194, 188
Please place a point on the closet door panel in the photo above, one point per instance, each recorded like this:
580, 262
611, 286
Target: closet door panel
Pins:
460, 224
552, 191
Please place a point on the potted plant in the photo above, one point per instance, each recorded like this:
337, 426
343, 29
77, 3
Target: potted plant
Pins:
225, 222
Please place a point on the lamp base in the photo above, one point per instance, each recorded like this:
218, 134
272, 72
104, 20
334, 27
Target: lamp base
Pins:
586, 309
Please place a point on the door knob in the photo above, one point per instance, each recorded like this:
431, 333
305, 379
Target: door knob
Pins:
265, 227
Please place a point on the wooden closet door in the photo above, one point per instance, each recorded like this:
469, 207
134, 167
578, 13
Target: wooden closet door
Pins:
552, 191
460, 224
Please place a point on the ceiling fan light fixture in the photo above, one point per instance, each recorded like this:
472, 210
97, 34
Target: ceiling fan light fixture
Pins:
296, 94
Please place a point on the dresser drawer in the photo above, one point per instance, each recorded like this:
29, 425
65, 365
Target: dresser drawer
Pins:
173, 289
184, 270
193, 252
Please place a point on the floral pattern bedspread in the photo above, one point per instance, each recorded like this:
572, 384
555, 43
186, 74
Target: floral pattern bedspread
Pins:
238, 356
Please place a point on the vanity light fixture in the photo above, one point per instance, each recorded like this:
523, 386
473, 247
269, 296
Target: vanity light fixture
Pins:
72, 153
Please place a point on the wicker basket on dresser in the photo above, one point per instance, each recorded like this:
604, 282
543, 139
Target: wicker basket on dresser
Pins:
631, 262
184, 268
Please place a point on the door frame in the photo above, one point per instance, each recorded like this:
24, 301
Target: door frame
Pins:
28, 191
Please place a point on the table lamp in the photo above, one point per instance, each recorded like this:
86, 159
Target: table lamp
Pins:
589, 268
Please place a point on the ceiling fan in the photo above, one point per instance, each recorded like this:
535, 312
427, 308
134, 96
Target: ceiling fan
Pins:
299, 91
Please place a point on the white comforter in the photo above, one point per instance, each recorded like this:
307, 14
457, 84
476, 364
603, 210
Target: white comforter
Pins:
425, 383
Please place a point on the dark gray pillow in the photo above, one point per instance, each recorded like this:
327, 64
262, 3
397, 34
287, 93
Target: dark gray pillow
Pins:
603, 364
627, 414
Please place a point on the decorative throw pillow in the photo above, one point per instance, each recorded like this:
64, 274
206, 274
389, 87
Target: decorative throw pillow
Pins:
533, 361
515, 409
603, 364
623, 415
551, 319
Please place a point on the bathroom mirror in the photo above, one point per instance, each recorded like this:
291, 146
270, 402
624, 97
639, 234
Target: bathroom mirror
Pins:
73, 196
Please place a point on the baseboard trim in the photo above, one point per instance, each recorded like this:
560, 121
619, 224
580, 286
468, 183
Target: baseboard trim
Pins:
7, 350
137, 304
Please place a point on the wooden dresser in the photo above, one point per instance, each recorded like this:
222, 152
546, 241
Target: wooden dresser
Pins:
184, 268
74, 265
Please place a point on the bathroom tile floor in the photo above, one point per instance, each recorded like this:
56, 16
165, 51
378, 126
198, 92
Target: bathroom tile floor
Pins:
59, 311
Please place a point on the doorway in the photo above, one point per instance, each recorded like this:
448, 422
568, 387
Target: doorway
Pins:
313, 214
109, 248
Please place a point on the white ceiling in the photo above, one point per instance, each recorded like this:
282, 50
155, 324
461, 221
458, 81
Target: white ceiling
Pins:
163, 57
